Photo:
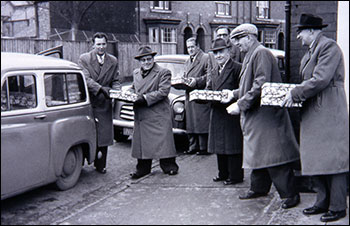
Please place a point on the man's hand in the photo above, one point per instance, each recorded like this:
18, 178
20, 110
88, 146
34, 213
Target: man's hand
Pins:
233, 109
192, 82
105, 91
229, 96
140, 101
288, 100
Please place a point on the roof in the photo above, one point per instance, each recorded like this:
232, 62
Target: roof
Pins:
277, 53
23, 61
172, 58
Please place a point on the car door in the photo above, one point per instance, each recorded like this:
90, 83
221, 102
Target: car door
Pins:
25, 150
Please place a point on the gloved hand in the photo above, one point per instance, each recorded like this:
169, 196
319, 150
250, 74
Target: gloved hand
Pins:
140, 101
105, 91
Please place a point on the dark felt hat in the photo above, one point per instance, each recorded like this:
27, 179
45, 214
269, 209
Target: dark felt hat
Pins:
219, 44
310, 21
145, 51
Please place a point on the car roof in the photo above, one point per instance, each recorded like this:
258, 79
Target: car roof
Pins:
277, 53
24, 61
173, 58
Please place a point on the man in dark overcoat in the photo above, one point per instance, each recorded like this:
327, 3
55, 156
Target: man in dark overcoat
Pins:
324, 126
197, 114
101, 72
225, 135
269, 144
153, 135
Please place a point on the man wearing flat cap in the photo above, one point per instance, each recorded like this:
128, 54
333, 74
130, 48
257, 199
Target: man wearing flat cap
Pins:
225, 135
269, 144
153, 136
324, 126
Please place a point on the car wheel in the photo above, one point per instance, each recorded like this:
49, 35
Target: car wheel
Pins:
71, 169
118, 135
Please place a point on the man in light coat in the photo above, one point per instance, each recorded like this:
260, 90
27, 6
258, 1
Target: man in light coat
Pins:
324, 127
225, 134
197, 114
101, 72
153, 136
269, 146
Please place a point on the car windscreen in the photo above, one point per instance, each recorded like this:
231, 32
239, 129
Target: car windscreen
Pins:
177, 71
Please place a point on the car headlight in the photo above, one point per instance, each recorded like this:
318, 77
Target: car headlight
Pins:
179, 107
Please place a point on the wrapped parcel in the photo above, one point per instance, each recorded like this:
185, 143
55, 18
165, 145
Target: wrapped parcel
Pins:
208, 95
123, 95
273, 94
181, 83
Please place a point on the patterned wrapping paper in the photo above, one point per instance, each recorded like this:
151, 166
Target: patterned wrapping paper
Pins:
207, 95
123, 95
181, 83
272, 94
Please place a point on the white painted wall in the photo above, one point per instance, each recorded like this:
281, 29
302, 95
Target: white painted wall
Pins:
343, 39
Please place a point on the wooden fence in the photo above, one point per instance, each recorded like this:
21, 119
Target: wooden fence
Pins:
124, 51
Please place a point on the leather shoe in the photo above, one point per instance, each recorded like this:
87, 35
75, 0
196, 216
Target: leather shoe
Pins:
203, 153
251, 195
333, 215
172, 172
314, 210
190, 152
135, 176
217, 179
102, 171
291, 202
229, 181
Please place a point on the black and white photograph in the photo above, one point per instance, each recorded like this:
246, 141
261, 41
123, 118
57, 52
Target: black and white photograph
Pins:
174, 113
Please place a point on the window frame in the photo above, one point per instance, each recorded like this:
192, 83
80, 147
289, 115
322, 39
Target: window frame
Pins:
164, 6
173, 35
268, 11
227, 5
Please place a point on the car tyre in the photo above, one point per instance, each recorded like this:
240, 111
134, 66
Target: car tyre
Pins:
71, 169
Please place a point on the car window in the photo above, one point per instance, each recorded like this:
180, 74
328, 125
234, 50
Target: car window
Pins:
18, 92
177, 69
62, 88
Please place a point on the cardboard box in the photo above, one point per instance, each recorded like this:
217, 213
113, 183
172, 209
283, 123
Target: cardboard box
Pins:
123, 95
208, 95
273, 94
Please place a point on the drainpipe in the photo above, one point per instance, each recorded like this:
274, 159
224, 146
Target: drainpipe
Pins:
287, 40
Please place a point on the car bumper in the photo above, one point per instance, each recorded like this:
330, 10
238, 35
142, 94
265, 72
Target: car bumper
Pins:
128, 124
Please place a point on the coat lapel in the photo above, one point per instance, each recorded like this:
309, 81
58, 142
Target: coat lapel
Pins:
195, 62
247, 58
94, 63
306, 59
225, 74
106, 66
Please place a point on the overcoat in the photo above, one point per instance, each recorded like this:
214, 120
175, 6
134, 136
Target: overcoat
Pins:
324, 126
96, 77
225, 134
153, 136
268, 135
197, 114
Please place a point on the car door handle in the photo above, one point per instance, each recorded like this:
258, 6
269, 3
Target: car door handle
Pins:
40, 117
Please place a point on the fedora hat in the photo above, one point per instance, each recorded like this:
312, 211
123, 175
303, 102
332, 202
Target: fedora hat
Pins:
219, 44
145, 51
310, 21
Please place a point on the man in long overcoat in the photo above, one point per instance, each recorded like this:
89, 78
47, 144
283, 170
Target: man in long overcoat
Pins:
225, 134
324, 127
101, 72
269, 146
153, 136
197, 114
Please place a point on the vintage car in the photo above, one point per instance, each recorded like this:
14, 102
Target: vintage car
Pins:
124, 116
47, 123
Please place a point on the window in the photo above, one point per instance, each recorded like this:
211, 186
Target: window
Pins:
270, 39
160, 5
18, 92
63, 89
153, 34
263, 9
223, 8
168, 35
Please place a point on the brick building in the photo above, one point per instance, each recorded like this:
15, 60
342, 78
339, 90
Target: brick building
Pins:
174, 21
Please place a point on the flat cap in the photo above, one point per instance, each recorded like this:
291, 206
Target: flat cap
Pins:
244, 29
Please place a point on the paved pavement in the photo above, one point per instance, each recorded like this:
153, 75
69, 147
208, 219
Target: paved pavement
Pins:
191, 198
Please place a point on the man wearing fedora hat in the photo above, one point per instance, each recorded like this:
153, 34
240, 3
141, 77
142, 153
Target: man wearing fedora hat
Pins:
324, 126
269, 144
225, 134
101, 72
153, 136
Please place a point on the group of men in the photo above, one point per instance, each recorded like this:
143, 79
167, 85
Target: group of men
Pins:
238, 130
